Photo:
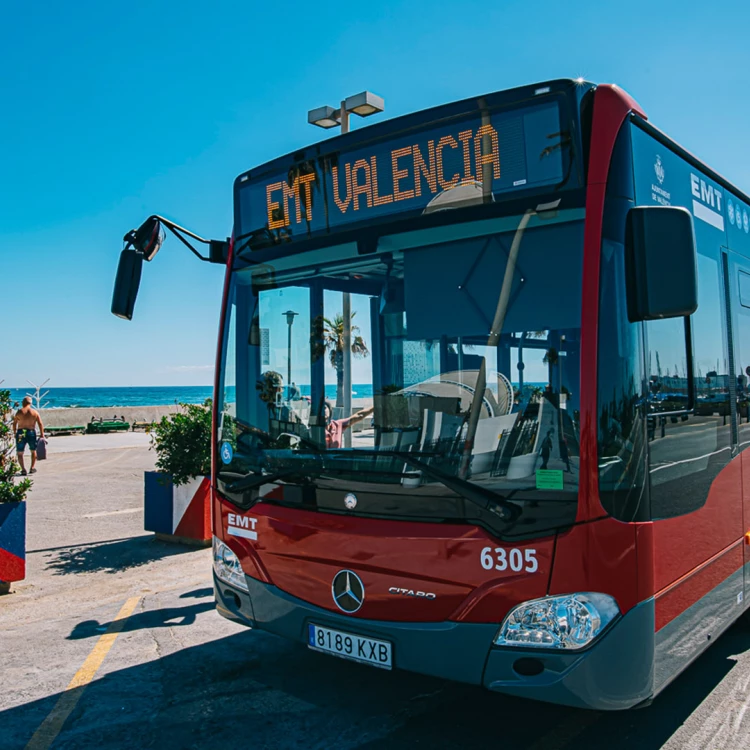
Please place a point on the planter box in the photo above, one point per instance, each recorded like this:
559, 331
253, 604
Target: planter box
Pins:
180, 513
12, 542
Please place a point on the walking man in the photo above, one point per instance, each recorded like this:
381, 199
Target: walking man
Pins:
25, 421
546, 448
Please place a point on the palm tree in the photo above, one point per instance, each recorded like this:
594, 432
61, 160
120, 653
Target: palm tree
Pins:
328, 336
551, 358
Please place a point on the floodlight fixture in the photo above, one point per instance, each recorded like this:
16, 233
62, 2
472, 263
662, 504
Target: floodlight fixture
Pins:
364, 104
324, 117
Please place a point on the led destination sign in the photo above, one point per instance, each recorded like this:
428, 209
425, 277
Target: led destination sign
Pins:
466, 163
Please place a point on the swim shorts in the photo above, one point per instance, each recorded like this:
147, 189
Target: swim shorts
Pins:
24, 438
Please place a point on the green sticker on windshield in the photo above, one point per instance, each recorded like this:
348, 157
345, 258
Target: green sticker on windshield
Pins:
549, 479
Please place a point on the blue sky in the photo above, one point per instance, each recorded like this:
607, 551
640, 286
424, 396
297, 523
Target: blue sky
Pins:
113, 111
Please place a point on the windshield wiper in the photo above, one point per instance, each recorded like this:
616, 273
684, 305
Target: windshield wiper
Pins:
253, 481
479, 496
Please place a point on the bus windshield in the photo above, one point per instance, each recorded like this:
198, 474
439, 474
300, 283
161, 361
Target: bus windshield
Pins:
413, 381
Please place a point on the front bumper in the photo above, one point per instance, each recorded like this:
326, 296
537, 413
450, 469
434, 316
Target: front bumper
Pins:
615, 673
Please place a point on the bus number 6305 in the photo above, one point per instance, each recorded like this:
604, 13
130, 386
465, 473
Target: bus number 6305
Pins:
515, 559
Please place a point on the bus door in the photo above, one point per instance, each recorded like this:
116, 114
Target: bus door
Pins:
696, 493
737, 281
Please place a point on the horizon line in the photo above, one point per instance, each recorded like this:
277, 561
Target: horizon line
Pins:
70, 387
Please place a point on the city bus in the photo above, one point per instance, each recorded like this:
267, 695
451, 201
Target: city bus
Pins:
481, 398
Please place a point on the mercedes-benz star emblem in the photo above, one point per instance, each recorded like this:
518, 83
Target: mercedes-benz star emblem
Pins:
350, 500
348, 591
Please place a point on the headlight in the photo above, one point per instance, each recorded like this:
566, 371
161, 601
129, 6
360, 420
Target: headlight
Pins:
561, 622
227, 565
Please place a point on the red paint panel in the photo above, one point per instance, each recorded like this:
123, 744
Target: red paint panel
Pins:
682, 544
301, 551
644, 536
745, 468
196, 521
491, 601
611, 107
12, 568
251, 562
677, 598
598, 556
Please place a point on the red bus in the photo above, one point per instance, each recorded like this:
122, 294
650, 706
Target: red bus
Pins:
481, 397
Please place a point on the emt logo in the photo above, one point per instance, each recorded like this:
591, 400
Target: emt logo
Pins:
242, 526
707, 202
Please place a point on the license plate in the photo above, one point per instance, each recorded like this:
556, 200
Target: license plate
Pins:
350, 646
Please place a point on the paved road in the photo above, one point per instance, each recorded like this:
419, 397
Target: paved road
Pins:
179, 676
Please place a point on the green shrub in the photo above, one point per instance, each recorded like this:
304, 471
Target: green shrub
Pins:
12, 490
182, 442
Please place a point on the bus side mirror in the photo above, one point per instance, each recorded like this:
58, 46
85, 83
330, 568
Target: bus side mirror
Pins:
148, 238
660, 263
127, 281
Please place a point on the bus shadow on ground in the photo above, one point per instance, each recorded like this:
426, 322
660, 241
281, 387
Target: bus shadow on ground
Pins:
112, 557
169, 617
253, 689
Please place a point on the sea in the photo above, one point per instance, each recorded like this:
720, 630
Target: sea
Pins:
92, 398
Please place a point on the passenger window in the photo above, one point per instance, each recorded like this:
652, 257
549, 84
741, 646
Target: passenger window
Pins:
744, 289
688, 450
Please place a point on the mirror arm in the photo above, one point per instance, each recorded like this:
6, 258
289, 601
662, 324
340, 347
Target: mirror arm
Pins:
178, 231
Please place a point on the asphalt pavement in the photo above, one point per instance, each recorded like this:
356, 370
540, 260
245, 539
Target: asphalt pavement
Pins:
113, 641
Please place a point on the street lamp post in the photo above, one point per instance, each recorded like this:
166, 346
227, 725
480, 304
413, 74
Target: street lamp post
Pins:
363, 105
290, 315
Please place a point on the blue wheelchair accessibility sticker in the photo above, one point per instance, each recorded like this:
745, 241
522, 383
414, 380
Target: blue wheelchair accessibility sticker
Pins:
226, 453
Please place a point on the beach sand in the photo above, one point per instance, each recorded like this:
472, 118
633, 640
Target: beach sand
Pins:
73, 417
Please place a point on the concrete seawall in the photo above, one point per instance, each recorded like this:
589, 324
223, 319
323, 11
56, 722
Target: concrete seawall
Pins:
81, 416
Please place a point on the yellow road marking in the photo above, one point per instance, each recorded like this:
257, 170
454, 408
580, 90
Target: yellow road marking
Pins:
51, 726
567, 730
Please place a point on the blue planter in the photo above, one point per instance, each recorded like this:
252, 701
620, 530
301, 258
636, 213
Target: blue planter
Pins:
12, 541
183, 511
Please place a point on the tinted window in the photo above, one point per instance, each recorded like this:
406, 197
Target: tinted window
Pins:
621, 422
465, 352
689, 450
622, 446
646, 419
688, 447
744, 279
